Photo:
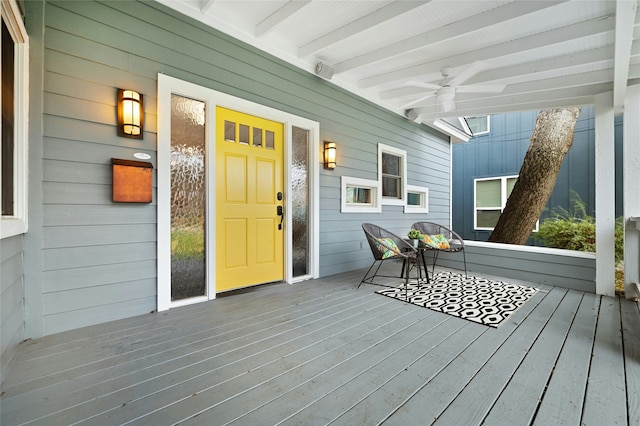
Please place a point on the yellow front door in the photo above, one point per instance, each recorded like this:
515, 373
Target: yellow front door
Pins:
249, 192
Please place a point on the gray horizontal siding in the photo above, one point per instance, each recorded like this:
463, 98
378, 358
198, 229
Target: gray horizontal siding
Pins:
11, 299
561, 268
94, 250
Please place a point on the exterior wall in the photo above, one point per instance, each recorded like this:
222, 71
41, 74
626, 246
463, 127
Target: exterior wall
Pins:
563, 268
11, 296
501, 153
99, 258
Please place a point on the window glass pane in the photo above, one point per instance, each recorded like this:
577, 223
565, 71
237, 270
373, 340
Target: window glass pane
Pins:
8, 122
257, 137
269, 140
229, 131
300, 200
510, 184
390, 164
244, 134
487, 218
414, 199
488, 193
478, 124
188, 201
357, 195
391, 187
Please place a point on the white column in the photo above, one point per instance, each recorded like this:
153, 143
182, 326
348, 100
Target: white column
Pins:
631, 197
605, 188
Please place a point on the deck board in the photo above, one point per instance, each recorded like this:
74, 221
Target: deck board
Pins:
631, 340
563, 400
486, 370
606, 400
323, 352
529, 381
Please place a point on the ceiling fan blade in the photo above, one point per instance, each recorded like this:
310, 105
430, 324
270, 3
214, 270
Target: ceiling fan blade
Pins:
417, 101
481, 88
422, 85
467, 73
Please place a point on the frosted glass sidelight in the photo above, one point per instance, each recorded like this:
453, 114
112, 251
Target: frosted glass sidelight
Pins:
188, 197
300, 201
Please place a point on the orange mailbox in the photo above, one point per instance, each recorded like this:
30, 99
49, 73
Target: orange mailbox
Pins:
132, 181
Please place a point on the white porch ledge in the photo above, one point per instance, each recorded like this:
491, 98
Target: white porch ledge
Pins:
563, 268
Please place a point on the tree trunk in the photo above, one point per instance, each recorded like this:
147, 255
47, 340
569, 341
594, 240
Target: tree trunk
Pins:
550, 142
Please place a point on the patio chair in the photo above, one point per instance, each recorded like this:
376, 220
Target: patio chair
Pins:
386, 245
439, 238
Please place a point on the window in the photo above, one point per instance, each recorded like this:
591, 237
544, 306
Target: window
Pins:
13, 70
478, 125
392, 174
490, 198
417, 199
360, 195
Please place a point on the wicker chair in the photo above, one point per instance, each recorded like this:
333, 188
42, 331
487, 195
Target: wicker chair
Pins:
456, 243
385, 246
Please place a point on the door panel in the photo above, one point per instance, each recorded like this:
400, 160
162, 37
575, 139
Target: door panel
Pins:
249, 164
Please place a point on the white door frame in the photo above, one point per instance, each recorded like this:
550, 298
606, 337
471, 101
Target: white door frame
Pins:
212, 98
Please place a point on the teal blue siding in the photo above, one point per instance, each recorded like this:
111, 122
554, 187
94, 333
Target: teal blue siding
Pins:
11, 297
98, 258
501, 153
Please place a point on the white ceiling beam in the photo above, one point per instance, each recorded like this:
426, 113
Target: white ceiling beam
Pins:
549, 85
625, 20
547, 95
464, 102
205, 5
553, 99
531, 69
535, 41
515, 107
277, 17
528, 70
449, 32
366, 22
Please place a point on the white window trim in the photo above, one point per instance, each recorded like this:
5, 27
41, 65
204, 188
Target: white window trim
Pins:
374, 185
424, 207
503, 200
17, 224
487, 117
382, 148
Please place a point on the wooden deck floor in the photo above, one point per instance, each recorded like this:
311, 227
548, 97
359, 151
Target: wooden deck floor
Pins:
322, 352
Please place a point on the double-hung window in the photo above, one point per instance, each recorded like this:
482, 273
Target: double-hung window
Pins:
491, 196
14, 75
392, 173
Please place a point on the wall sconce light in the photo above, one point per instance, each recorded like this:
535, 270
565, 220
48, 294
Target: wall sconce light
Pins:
130, 114
330, 155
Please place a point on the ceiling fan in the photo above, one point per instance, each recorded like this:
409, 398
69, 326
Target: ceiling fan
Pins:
445, 92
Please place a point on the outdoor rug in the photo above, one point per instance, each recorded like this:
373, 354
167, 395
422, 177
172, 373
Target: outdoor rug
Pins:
475, 299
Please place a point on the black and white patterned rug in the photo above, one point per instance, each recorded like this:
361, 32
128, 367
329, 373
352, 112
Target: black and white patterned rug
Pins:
474, 298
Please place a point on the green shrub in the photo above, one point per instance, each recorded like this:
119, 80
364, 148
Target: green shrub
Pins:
575, 230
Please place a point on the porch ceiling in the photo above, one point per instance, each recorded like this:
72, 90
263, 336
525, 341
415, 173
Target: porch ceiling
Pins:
546, 53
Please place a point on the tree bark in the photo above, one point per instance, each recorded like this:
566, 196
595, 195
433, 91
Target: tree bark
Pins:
551, 140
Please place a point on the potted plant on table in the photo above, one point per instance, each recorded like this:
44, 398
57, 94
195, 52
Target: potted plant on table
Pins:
415, 236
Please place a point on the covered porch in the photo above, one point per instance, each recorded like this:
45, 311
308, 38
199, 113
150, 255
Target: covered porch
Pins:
324, 352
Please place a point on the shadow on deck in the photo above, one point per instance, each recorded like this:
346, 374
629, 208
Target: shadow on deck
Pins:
322, 352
